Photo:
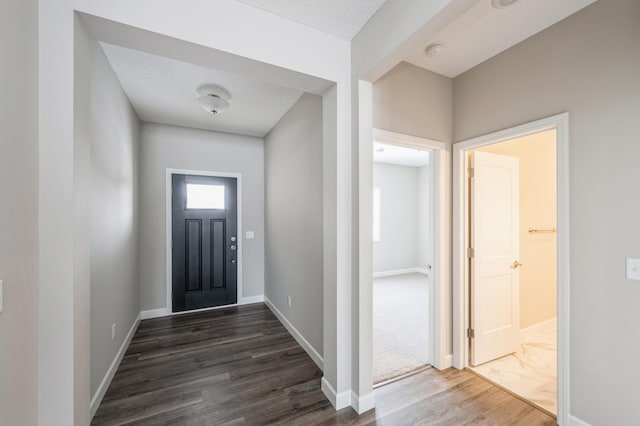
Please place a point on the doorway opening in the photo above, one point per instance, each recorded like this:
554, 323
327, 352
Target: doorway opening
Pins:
402, 258
511, 254
407, 253
512, 281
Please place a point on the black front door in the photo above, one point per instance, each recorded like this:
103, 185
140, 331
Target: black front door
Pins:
205, 243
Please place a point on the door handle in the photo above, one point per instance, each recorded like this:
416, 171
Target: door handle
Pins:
516, 264
233, 247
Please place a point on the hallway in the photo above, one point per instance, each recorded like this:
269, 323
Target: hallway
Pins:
240, 366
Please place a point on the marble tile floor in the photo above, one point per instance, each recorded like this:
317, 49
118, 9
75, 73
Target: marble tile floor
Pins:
531, 372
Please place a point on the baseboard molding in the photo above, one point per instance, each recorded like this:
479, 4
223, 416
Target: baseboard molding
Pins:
447, 362
338, 400
364, 403
251, 299
108, 377
532, 328
164, 312
574, 421
310, 350
154, 313
400, 272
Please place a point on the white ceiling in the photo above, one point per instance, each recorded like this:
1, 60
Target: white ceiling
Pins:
392, 154
340, 18
163, 90
483, 31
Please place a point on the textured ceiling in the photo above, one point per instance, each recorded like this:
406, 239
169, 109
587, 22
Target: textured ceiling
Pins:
341, 18
163, 90
483, 31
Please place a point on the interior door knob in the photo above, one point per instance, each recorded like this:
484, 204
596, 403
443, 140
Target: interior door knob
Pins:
516, 264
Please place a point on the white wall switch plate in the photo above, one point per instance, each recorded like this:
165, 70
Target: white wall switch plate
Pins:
633, 269
289, 301
113, 331
250, 235
1, 296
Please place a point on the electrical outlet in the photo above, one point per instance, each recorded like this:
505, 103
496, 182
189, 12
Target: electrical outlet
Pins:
633, 269
289, 301
113, 331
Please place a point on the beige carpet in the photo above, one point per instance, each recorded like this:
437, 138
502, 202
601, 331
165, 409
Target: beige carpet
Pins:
400, 315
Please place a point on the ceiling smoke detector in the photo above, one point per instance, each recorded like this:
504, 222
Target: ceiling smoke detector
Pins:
213, 99
434, 50
503, 4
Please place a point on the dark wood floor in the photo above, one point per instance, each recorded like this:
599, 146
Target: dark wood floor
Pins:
239, 366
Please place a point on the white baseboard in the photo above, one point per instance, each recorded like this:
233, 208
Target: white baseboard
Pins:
164, 312
574, 421
400, 272
338, 400
364, 403
154, 313
447, 362
106, 380
251, 299
310, 350
539, 326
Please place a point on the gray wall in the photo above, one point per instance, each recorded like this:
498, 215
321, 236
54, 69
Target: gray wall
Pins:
413, 101
398, 245
114, 215
173, 147
19, 212
293, 217
587, 65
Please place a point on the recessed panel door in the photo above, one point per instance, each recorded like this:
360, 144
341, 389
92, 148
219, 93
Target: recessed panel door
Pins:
205, 243
495, 288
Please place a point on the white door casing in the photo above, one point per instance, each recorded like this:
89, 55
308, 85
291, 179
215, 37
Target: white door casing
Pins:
495, 287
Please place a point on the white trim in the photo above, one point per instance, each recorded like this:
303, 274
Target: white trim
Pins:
111, 371
574, 421
409, 141
164, 312
559, 122
338, 400
154, 313
364, 403
447, 362
308, 348
250, 300
168, 230
400, 272
542, 324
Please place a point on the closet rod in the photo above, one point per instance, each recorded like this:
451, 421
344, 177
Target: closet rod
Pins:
542, 231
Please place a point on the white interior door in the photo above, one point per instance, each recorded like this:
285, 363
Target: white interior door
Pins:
495, 289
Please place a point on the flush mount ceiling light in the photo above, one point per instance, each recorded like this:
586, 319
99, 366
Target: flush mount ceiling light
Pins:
503, 4
213, 99
434, 50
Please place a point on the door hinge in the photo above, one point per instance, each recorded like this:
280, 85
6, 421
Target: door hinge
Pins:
470, 252
471, 172
471, 334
